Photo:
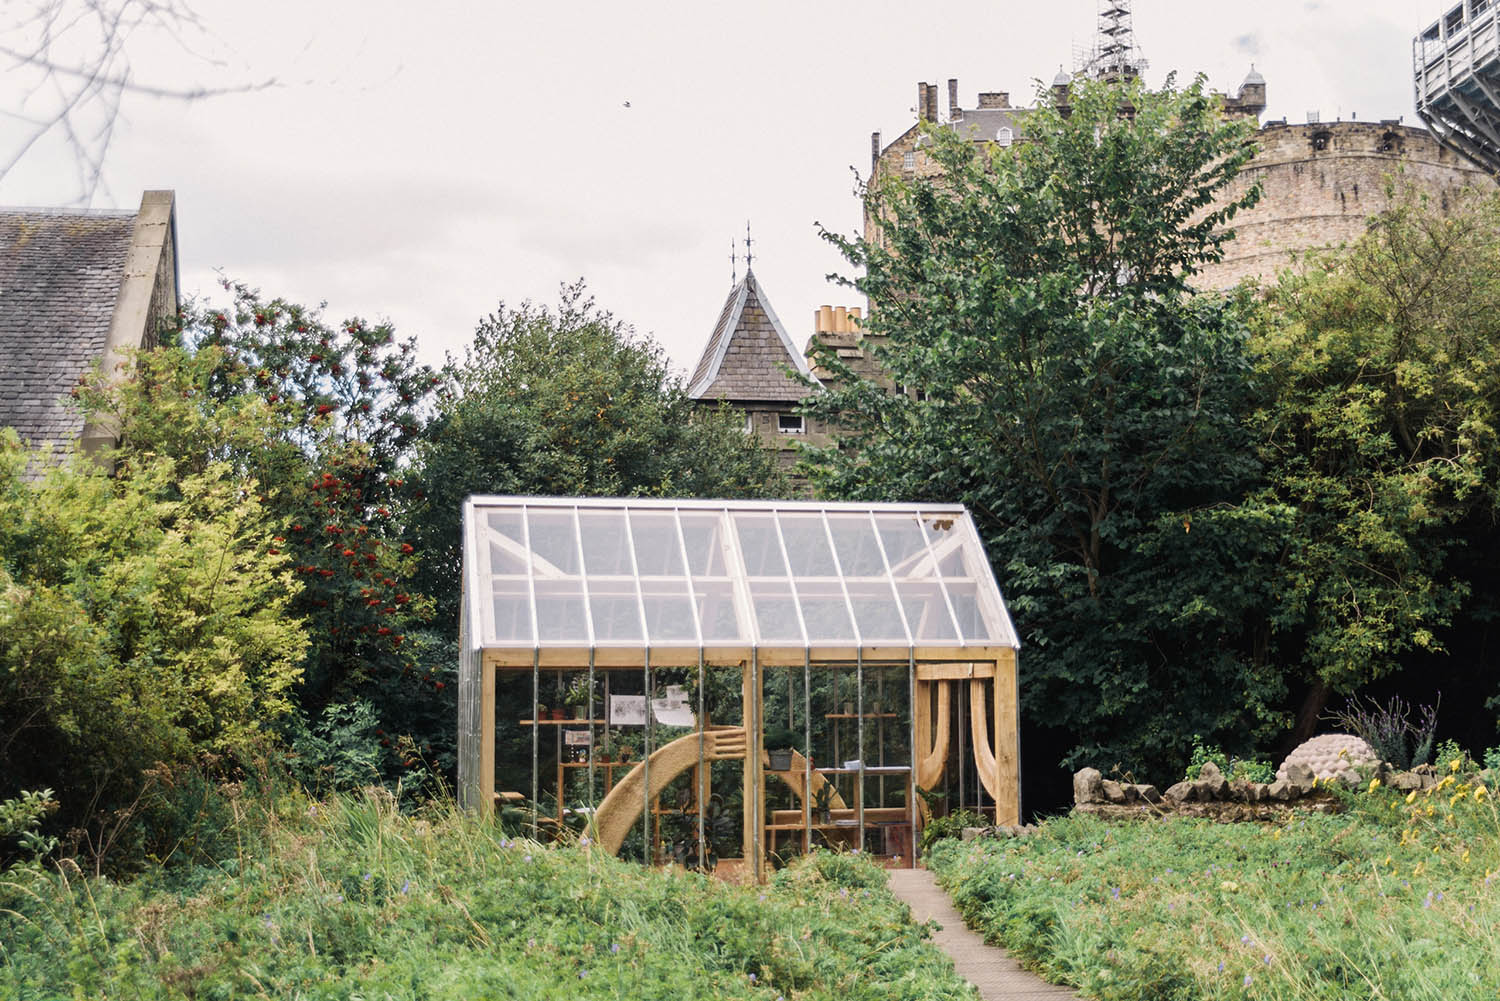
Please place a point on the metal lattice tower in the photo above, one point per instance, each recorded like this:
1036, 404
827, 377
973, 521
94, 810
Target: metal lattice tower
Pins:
1115, 55
1457, 70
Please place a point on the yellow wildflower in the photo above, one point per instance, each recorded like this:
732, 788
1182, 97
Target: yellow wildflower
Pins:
1457, 796
1374, 784
1411, 796
1466, 855
1480, 792
1455, 764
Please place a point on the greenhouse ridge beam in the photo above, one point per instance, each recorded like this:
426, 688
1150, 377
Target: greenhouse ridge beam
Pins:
1457, 73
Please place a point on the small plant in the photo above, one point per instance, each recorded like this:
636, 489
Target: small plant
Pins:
823, 801
21, 818
1451, 757
1492, 763
1390, 730
951, 826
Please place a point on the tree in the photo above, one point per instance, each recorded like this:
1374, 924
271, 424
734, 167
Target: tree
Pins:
1066, 386
323, 419
1382, 365
71, 72
570, 402
143, 621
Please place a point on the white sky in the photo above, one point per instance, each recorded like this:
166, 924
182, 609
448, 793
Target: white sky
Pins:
421, 161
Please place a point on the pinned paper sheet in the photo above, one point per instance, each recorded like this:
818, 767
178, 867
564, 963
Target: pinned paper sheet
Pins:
627, 710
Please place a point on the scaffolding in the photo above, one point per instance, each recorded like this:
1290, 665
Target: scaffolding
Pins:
1457, 71
1115, 56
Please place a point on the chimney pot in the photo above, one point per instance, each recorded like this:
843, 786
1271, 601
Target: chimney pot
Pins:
825, 320
840, 320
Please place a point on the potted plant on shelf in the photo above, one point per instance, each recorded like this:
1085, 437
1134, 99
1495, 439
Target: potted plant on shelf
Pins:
626, 746
823, 801
576, 696
780, 742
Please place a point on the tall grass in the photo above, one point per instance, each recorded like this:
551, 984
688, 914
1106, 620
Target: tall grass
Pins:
1397, 898
348, 898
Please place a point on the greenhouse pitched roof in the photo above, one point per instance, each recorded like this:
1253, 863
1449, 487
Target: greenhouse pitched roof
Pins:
568, 581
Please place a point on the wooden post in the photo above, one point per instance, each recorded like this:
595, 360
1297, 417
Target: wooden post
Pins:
1007, 741
486, 737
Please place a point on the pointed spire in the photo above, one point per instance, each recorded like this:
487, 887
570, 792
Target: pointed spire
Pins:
734, 273
749, 256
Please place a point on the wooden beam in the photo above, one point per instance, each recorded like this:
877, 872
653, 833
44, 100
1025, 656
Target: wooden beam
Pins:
955, 672
1007, 741
486, 738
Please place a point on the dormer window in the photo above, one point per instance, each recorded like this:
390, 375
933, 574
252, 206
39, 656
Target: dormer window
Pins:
1321, 141
1005, 136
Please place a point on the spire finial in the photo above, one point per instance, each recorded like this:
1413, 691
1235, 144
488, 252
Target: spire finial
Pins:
749, 256
734, 274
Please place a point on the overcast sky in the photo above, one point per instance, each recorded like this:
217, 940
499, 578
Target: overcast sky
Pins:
423, 161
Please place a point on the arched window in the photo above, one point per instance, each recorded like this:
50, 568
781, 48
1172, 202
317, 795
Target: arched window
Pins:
1005, 136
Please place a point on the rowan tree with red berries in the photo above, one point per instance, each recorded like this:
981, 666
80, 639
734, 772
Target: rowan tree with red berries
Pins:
320, 420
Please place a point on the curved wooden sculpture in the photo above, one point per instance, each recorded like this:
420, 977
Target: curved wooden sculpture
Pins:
979, 730
622, 807
931, 763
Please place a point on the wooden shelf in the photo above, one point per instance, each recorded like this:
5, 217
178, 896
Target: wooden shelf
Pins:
562, 722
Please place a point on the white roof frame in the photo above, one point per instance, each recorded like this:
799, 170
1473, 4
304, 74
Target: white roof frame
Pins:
922, 613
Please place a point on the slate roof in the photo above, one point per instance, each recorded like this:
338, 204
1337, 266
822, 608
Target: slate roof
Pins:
745, 354
60, 274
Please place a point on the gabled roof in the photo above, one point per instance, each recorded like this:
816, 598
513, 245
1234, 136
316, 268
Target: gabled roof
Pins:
744, 357
76, 288
567, 581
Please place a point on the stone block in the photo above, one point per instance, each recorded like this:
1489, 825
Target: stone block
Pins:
1280, 790
1182, 792
1088, 786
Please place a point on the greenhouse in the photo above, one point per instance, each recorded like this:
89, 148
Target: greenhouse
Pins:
724, 684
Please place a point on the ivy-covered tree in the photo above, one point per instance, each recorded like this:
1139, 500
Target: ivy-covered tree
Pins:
569, 402
1063, 382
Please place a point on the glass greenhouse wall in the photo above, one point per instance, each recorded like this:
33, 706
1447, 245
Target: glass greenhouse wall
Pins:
695, 629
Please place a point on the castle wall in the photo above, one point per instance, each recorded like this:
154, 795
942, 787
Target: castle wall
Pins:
1320, 185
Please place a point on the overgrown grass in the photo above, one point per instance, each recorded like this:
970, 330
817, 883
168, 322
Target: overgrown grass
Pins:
348, 898
1397, 898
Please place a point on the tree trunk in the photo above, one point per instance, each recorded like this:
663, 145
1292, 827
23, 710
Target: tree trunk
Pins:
1313, 704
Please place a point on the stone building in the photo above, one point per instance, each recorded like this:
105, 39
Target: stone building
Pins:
747, 364
1320, 182
78, 289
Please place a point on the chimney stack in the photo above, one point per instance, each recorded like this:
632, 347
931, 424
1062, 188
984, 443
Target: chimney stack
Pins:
922, 102
994, 99
932, 102
874, 149
954, 111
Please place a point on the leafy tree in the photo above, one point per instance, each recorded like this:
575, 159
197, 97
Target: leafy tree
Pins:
1066, 386
1382, 364
323, 419
569, 402
142, 622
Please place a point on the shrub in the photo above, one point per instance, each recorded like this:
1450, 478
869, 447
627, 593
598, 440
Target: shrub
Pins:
1389, 729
